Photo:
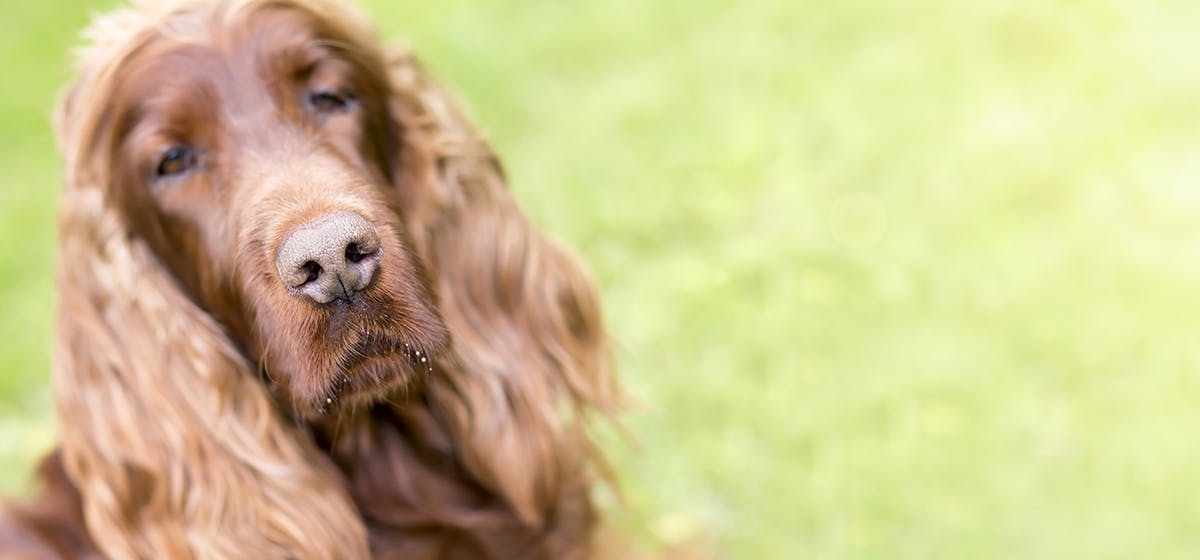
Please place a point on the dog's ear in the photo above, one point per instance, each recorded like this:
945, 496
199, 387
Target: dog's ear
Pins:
531, 358
170, 436
110, 38
63, 112
167, 431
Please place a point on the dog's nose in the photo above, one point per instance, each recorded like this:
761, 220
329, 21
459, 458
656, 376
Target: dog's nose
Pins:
332, 257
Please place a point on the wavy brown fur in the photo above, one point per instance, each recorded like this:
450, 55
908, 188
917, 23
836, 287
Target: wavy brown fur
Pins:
190, 384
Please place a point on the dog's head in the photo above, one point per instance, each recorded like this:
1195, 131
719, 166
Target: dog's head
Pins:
253, 183
254, 148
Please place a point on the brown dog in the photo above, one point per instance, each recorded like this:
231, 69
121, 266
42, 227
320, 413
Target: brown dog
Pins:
300, 314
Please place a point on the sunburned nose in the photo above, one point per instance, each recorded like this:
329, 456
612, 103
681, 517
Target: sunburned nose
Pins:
332, 257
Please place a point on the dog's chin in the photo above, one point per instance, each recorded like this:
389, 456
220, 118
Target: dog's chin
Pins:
368, 374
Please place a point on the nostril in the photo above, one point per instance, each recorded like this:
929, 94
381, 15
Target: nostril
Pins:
311, 271
354, 253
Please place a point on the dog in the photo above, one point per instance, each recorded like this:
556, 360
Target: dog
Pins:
300, 315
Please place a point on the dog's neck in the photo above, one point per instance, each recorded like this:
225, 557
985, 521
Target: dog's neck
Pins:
397, 455
403, 472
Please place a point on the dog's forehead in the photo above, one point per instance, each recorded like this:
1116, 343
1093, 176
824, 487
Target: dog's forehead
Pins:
234, 68
266, 44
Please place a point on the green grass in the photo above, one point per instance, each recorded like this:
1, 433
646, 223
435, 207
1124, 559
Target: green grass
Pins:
890, 279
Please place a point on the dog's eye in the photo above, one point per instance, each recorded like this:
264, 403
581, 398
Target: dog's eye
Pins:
329, 102
176, 161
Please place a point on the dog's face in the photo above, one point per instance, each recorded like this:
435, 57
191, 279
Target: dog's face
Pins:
257, 158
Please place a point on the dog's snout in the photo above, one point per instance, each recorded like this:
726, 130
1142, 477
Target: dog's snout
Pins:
332, 257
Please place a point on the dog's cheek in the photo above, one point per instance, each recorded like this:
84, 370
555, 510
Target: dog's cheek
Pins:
288, 354
405, 290
267, 342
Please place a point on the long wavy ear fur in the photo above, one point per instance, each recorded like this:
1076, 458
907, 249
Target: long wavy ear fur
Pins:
531, 354
172, 440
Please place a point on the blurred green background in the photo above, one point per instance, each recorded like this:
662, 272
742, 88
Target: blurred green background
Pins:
890, 279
